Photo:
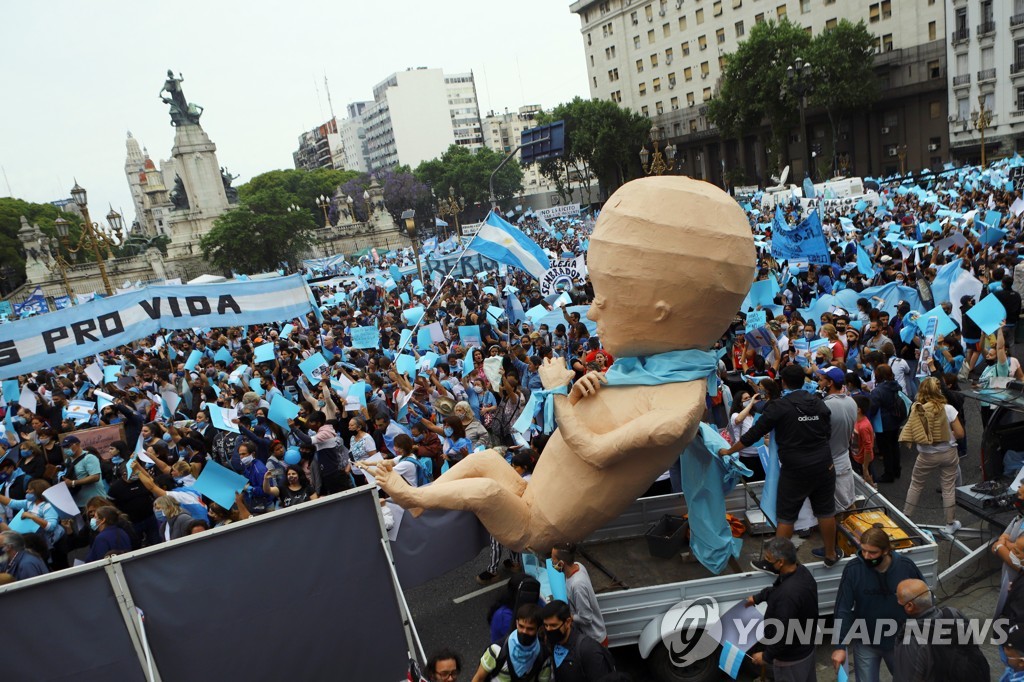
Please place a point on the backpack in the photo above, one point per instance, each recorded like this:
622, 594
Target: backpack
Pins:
527, 592
422, 474
902, 406
956, 661
502, 658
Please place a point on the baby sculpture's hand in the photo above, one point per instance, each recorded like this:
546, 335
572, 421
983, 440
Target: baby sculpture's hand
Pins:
553, 373
587, 386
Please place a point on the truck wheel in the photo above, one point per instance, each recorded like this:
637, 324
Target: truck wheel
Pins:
664, 670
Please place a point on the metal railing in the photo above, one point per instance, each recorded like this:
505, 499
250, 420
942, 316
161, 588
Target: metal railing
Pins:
1016, 20
962, 79
960, 35
986, 27
987, 75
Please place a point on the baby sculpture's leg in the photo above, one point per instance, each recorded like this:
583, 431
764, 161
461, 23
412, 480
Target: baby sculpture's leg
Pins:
486, 464
503, 512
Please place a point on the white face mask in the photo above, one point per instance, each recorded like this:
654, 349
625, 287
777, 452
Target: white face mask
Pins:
247, 460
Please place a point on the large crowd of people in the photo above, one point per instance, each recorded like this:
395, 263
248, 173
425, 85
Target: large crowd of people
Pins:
860, 369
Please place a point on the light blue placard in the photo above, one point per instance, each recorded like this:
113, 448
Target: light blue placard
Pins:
406, 364
390, 285
396, 274
365, 337
223, 355
470, 336
536, 314
423, 340
556, 581
946, 325
414, 315
22, 525
988, 314
405, 338
359, 389
264, 352
762, 292
220, 484
992, 236
110, 373
490, 290
281, 410
756, 319
405, 298
495, 313
429, 359
11, 390
286, 330
417, 287
217, 419
193, 360
315, 367
256, 386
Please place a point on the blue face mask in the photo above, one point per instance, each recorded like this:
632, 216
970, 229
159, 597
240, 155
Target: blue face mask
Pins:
159, 515
4, 477
30, 497
448, 431
18, 420
94, 524
68, 452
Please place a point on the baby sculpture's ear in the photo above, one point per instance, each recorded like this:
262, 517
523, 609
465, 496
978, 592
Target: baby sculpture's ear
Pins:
662, 310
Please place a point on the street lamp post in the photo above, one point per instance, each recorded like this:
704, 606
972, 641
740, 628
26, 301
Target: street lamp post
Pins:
451, 206
901, 151
92, 233
409, 217
798, 82
982, 119
51, 249
658, 165
369, 206
324, 204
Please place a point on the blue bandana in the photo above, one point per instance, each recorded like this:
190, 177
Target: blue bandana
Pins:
666, 368
560, 653
522, 658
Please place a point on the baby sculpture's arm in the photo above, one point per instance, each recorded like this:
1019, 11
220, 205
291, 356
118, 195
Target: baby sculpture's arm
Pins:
656, 428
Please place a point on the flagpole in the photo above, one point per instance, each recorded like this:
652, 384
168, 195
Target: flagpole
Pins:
439, 289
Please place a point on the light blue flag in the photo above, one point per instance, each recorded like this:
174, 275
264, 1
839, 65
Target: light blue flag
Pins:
281, 410
193, 360
808, 188
501, 241
264, 353
365, 337
390, 285
944, 278
769, 456
11, 390
864, 263
992, 236
988, 314
220, 484
536, 314
731, 659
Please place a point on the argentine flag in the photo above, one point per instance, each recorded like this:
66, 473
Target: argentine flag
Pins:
731, 659
505, 243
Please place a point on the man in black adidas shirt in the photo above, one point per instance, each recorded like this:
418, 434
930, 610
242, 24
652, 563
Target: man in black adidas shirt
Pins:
802, 424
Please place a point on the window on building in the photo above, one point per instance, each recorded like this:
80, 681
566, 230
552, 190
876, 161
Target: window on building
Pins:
986, 11
934, 109
591, 62
649, 13
689, 99
736, 4
685, 48
633, 18
693, 125
663, 7
874, 14
617, 96
613, 75
720, 36
654, 60
721, 62
674, 103
650, 37
666, 30
702, 42
688, 74
960, 20
780, 11
659, 108
890, 119
1018, 51
636, 42
595, 82
589, 41
934, 70
887, 42
1020, 99
832, 2
604, 8
934, 143
643, 89
739, 29
886, 9
645, 111
609, 52
990, 101
668, 55
707, 94
672, 79
717, 8
639, 66
656, 85
931, 30
805, 6
759, 18
831, 24
704, 69
963, 109
682, 23
700, 16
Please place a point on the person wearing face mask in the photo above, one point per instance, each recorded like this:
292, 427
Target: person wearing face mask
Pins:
521, 655
37, 509
82, 472
1003, 548
575, 657
426, 444
791, 599
174, 521
109, 538
867, 591
580, 593
296, 489
455, 445
21, 562
246, 463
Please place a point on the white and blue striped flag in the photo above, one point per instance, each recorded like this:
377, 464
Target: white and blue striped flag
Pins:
505, 243
731, 659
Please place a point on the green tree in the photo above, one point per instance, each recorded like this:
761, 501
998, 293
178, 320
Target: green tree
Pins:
602, 141
469, 172
303, 186
11, 249
844, 75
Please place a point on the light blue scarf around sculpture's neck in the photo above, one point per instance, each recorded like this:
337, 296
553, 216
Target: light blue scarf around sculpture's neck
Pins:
665, 368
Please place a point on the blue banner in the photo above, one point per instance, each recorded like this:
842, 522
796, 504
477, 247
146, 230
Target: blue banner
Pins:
83, 330
803, 243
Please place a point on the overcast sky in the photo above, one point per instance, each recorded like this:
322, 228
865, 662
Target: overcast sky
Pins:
78, 75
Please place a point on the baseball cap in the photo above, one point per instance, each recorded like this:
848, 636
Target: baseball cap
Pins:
1015, 637
837, 375
69, 440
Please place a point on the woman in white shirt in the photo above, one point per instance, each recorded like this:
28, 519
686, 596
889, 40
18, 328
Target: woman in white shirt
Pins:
360, 445
740, 420
941, 456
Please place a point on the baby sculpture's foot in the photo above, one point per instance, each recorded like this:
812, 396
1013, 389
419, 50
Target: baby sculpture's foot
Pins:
396, 486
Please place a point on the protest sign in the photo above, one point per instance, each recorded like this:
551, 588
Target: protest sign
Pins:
281, 410
365, 337
79, 331
561, 276
756, 319
220, 484
315, 367
803, 243
60, 497
470, 336
99, 437
927, 346
988, 314
566, 211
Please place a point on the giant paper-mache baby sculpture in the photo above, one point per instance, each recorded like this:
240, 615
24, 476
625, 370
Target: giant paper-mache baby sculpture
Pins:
671, 260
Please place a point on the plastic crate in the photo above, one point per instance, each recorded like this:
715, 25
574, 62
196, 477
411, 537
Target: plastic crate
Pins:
667, 537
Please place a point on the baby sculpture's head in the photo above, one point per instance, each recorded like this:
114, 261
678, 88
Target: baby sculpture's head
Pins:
671, 260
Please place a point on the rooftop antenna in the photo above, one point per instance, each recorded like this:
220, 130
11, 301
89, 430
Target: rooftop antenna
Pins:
327, 87
319, 102
10, 192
